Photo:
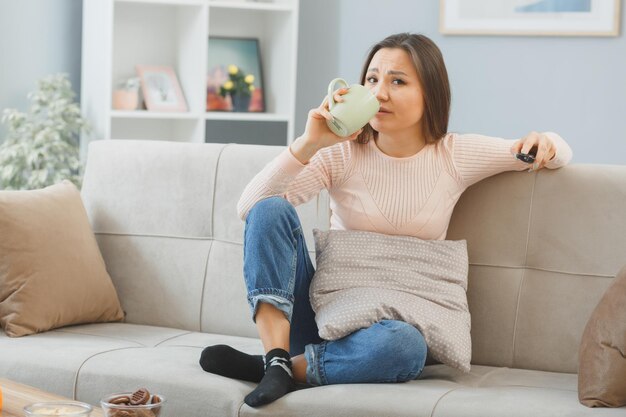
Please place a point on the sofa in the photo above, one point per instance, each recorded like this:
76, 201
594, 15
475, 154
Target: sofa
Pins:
543, 247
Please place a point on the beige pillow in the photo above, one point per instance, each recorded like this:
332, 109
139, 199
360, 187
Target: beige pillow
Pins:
364, 277
602, 360
51, 271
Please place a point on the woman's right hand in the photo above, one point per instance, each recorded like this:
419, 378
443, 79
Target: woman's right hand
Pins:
317, 135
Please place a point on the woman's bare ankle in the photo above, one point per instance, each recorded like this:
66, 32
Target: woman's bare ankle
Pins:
273, 327
298, 366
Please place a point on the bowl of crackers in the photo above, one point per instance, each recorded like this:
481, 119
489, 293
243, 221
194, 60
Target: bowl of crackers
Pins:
140, 403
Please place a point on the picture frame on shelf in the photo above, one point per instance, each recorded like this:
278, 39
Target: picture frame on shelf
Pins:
161, 89
235, 75
530, 17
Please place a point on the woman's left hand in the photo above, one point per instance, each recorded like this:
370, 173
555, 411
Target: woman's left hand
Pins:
543, 145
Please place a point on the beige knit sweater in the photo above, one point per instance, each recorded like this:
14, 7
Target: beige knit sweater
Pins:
372, 191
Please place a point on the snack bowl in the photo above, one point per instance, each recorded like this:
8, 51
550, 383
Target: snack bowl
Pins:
58, 408
113, 405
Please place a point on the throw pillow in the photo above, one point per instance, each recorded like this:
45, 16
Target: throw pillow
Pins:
51, 271
602, 360
364, 277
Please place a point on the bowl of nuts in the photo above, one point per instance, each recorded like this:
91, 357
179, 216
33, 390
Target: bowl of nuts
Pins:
132, 404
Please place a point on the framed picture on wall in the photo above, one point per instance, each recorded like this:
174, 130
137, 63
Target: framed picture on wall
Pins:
530, 17
160, 88
235, 75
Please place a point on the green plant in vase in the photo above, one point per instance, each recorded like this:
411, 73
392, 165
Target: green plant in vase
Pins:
239, 87
42, 146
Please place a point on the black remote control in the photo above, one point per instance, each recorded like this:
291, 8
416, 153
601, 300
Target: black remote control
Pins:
529, 157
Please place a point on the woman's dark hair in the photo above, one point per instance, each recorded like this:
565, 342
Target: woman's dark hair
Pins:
431, 71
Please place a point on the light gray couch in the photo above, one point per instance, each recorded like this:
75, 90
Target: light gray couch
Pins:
543, 248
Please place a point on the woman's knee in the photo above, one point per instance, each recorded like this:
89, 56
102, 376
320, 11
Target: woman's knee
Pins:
272, 208
406, 344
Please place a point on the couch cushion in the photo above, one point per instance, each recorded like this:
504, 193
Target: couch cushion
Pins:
543, 248
602, 353
132, 186
172, 371
51, 360
89, 361
357, 400
442, 391
139, 335
164, 215
165, 363
364, 277
51, 271
513, 392
159, 279
158, 266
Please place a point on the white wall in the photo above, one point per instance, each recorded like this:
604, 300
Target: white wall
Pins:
318, 55
501, 85
37, 38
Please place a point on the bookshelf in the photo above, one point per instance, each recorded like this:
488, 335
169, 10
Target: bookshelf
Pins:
119, 34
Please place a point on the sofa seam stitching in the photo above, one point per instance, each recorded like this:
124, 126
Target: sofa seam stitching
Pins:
484, 377
541, 269
206, 269
312, 251
523, 279
187, 346
208, 255
432, 413
93, 356
158, 235
208, 238
173, 337
99, 335
533, 387
217, 167
171, 237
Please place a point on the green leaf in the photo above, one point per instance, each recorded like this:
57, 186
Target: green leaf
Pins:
42, 145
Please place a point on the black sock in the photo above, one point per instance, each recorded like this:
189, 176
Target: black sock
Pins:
229, 362
278, 379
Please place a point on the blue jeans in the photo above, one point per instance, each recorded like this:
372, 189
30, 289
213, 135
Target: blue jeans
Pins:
278, 270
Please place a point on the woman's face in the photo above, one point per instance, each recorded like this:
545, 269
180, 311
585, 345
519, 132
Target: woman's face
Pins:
392, 77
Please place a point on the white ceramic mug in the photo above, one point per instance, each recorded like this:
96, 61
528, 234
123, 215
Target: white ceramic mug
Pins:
358, 107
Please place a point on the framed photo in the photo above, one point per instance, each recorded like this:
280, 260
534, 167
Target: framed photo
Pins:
161, 90
235, 75
530, 17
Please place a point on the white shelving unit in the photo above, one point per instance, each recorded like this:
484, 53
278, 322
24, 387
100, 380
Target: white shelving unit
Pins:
119, 34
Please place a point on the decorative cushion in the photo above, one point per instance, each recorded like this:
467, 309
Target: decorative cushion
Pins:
51, 271
364, 277
602, 360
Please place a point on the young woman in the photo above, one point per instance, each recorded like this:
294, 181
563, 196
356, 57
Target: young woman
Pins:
382, 179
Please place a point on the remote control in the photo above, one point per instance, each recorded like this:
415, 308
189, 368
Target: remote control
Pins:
529, 157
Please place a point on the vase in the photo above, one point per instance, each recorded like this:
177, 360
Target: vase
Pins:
241, 102
125, 99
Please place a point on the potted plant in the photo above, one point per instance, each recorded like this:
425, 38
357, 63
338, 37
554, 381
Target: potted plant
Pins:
42, 146
239, 86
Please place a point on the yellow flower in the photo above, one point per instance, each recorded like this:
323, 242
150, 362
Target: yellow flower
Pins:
249, 79
252, 88
228, 85
232, 69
